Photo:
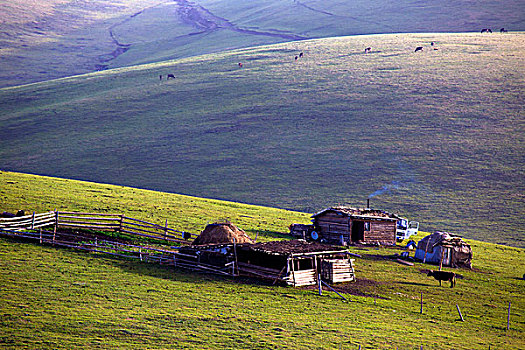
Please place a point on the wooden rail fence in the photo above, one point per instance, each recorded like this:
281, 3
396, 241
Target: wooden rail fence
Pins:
58, 233
97, 222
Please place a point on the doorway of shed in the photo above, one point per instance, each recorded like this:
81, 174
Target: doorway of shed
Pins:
358, 231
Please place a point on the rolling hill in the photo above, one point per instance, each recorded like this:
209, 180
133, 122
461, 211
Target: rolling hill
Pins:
53, 298
435, 135
42, 40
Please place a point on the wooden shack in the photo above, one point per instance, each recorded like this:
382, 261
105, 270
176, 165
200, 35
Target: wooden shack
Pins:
345, 225
296, 262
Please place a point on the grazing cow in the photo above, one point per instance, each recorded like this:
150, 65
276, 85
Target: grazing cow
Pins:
503, 30
301, 54
486, 30
443, 276
170, 76
160, 77
296, 57
419, 48
240, 64
368, 50
7, 214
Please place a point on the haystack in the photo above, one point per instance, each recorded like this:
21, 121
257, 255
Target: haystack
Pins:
222, 233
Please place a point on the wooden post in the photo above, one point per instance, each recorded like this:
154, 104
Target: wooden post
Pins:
293, 272
460, 315
140, 253
421, 309
33, 221
40, 229
319, 283
121, 223
235, 254
166, 229
508, 318
426, 248
441, 260
56, 224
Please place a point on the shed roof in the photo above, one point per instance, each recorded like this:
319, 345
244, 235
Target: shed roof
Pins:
359, 213
294, 247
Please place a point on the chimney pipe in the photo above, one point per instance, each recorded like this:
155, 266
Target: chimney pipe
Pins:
368, 203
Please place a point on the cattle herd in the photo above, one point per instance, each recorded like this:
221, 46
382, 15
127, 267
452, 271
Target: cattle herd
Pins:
367, 50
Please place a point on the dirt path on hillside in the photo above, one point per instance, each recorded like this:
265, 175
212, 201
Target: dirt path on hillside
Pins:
357, 19
196, 16
203, 19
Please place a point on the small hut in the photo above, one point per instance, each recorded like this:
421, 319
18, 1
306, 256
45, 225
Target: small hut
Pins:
344, 225
222, 233
295, 262
444, 249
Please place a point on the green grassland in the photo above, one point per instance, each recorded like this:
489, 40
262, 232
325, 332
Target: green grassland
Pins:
440, 130
54, 298
46, 39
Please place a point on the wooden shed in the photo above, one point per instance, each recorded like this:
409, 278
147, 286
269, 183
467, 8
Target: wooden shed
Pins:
345, 225
296, 262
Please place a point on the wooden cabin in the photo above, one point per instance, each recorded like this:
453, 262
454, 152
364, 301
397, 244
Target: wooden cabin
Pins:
345, 225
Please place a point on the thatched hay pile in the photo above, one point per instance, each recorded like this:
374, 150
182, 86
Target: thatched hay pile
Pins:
220, 233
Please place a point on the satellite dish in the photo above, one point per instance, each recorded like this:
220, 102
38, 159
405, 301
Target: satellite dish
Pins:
314, 235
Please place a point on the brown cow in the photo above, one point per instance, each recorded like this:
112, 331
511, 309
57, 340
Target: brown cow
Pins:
443, 276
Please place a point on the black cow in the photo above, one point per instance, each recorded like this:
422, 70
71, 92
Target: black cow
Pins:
368, 50
486, 30
170, 76
503, 30
301, 54
443, 276
419, 48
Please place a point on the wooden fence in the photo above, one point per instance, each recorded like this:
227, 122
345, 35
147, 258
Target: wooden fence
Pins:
97, 222
59, 232
28, 222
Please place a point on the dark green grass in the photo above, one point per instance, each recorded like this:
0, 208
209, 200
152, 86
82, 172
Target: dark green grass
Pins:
59, 298
443, 130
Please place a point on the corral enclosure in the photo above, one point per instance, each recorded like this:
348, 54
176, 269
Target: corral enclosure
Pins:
441, 130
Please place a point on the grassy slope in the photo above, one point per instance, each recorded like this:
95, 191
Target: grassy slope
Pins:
442, 130
57, 298
56, 38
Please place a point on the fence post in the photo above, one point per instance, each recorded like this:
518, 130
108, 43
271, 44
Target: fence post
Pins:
319, 283
33, 221
508, 318
40, 230
421, 309
121, 222
460, 315
56, 225
166, 229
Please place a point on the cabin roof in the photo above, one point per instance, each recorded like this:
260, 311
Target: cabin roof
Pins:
294, 247
359, 213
